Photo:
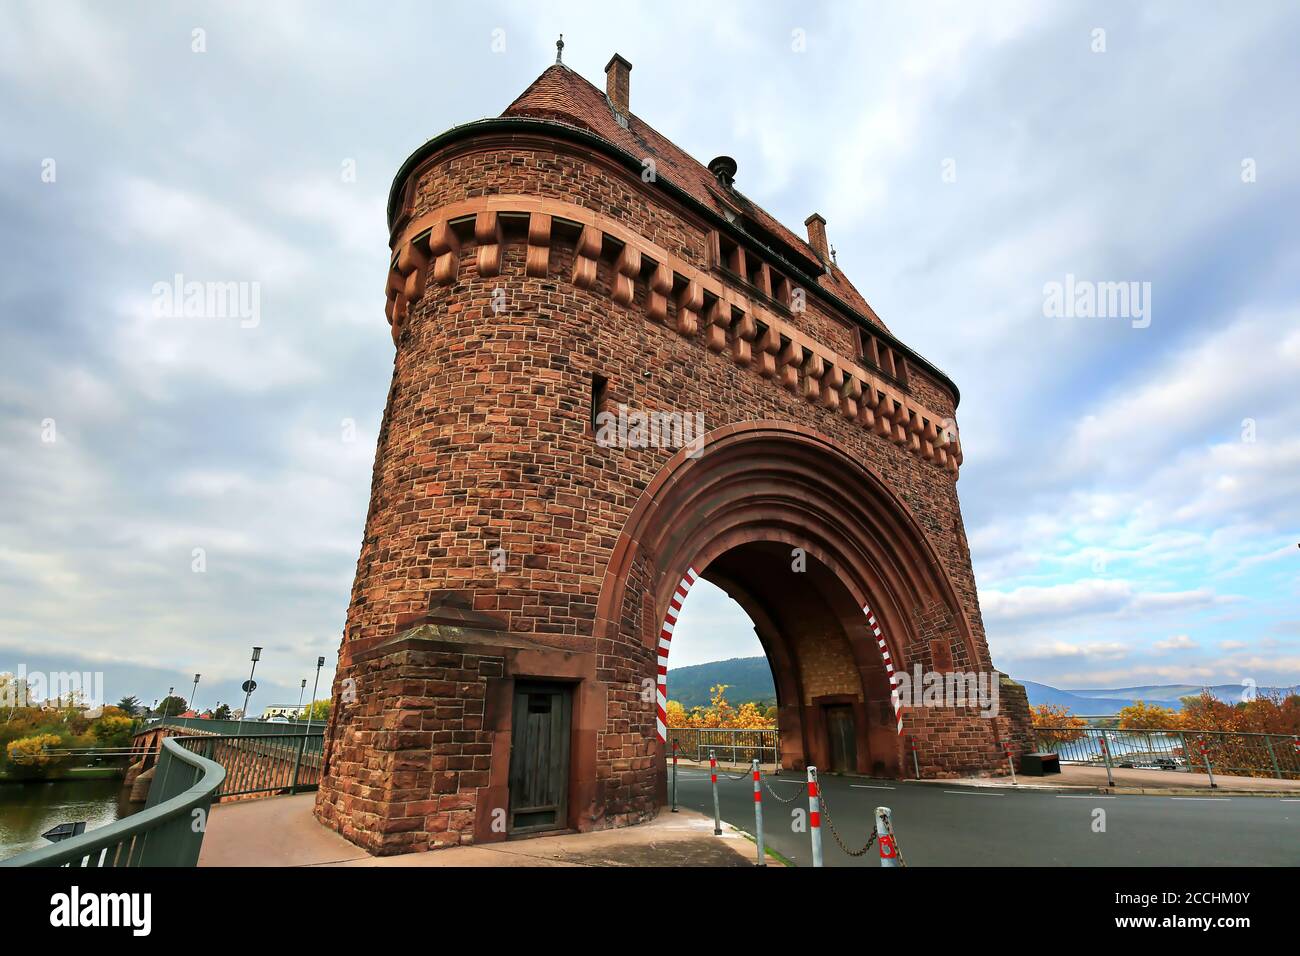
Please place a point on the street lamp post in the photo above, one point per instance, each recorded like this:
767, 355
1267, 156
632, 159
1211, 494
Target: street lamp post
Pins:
248, 689
170, 691
194, 692
301, 690
311, 708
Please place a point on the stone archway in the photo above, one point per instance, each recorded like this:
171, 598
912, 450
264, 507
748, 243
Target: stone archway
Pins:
760, 497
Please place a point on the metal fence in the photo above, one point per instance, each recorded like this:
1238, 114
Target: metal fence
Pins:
731, 746
262, 763
162, 834
259, 727
1252, 755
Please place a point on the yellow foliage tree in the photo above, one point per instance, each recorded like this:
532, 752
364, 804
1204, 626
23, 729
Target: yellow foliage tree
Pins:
30, 751
1142, 716
1060, 720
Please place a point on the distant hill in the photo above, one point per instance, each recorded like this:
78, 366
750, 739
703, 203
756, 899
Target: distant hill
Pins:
750, 678
747, 678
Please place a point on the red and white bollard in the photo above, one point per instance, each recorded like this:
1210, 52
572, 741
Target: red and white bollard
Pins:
885, 837
713, 775
814, 817
758, 813
1204, 747
674, 775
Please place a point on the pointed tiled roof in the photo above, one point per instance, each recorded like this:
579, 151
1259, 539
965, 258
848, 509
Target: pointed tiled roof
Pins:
563, 96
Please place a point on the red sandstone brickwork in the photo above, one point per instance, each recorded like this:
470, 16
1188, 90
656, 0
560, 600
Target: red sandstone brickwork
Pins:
486, 444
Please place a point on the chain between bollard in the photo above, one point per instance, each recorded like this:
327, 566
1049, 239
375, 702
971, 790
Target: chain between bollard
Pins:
830, 825
790, 799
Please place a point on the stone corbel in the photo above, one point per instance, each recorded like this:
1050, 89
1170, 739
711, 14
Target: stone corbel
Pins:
538, 259
413, 264
445, 249
898, 434
832, 382
689, 302
742, 350
626, 269
585, 256
487, 233
814, 367
769, 347
914, 431
850, 398
884, 408
929, 439
661, 283
788, 363
719, 319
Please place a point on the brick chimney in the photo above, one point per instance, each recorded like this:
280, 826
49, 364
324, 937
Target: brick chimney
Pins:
817, 236
618, 82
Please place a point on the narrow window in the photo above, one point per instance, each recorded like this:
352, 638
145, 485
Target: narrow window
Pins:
599, 386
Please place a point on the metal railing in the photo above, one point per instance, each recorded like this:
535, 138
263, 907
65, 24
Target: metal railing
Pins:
1229, 752
167, 832
731, 746
231, 727
262, 763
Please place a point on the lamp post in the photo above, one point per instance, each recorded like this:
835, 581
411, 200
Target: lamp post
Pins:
194, 692
311, 708
301, 690
170, 691
249, 687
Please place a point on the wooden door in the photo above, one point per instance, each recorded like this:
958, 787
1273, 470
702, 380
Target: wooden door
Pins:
539, 757
842, 738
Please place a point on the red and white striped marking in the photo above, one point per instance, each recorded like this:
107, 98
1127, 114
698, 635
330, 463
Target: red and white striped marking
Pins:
889, 666
665, 640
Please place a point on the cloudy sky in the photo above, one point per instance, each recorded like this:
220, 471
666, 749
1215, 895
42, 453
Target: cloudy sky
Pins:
1131, 486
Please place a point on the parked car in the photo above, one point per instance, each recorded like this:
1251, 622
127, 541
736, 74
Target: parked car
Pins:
277, 719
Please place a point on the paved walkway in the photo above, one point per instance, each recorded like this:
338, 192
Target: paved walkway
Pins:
280, 831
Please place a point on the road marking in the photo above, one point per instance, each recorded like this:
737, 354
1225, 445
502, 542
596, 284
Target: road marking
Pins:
1081, 796
972, 793
1285, 800
867, 786
1201, 798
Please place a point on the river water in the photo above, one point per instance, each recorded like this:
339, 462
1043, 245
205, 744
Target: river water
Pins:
29, 809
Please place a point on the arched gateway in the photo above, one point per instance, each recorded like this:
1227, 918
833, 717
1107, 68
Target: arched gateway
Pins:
615, 374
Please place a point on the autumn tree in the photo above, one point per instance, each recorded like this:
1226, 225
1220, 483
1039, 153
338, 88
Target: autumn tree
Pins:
1142, 716
1056, 725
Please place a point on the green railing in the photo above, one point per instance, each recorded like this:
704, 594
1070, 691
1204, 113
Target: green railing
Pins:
167, 832
1253, 755
233, 727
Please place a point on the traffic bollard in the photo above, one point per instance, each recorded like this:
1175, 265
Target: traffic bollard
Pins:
885, 837
758, 813
1205, 755
717, 813
814, 817
1105, 752
916, 762
1011, 762
674, 775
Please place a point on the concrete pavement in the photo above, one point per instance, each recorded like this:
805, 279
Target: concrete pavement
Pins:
280, 831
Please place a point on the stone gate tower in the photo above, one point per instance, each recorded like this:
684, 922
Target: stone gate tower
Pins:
570, 297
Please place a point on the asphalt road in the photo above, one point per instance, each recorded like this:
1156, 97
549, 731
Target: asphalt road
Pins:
953, 826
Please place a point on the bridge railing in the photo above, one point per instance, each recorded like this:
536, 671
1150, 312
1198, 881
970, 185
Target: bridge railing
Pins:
230, 727
262, 763
1242, 754
731, 746
167, 832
